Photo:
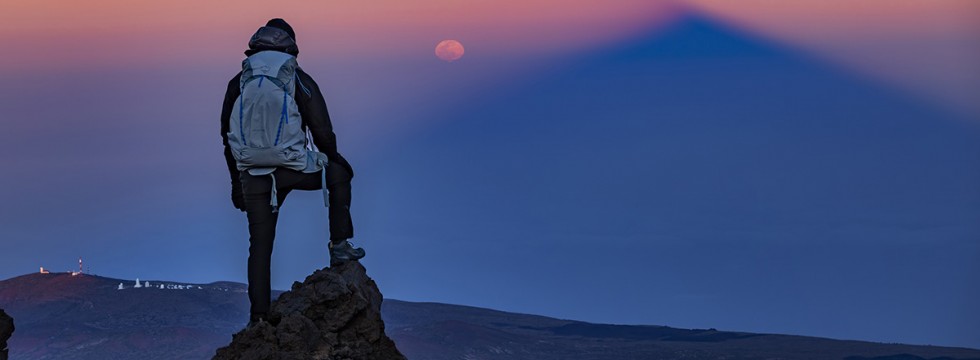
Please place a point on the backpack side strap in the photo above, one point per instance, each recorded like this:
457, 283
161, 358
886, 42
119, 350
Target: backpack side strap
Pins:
275, 199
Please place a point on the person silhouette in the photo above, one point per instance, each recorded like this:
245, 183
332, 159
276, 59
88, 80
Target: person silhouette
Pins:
258, 187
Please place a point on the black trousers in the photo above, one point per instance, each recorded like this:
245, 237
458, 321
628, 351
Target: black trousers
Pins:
262, 220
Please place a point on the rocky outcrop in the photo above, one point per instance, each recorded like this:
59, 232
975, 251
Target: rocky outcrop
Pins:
334, 314
6, 329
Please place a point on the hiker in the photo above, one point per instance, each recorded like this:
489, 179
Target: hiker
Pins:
267, 136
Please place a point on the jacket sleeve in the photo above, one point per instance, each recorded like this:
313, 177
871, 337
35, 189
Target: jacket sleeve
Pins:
313, 110
230, 96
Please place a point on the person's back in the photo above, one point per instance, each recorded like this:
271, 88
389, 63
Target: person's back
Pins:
268, 156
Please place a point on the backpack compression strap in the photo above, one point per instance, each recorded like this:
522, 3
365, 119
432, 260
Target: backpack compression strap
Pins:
275, 199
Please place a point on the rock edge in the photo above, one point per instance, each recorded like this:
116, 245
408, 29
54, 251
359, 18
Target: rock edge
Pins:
335, 314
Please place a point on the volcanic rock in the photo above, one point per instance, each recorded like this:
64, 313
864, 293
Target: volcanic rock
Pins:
6, 329
334, 314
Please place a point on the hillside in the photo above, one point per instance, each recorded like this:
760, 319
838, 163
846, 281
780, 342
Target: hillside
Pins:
89, 317
61, 316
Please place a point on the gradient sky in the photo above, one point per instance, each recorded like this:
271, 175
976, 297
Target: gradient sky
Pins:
112, 153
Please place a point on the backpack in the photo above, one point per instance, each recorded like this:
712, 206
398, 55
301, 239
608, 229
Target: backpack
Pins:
269, 131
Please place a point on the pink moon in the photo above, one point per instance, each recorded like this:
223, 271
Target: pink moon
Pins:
449, 50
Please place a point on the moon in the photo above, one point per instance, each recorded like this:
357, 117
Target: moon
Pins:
449, 50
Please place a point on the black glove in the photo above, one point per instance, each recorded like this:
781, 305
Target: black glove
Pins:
237, 196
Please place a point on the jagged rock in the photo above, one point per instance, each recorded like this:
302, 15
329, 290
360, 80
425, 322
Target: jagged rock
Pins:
334, 314
6, 329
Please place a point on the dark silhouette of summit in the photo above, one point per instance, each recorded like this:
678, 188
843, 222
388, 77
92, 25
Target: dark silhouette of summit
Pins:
334, 314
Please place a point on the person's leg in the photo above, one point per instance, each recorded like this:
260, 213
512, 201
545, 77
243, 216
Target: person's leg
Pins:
339, 198
262, 232
341, 226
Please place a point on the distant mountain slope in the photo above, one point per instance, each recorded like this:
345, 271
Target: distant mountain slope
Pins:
87, 317
428, 331
60, 316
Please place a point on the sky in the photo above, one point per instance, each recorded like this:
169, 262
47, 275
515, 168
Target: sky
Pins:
804, 167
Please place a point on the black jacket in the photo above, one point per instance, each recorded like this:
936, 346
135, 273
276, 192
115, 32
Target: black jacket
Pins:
312, 109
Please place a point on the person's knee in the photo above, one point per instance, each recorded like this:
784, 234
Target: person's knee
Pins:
338, 176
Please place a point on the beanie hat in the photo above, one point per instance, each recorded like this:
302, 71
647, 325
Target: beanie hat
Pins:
282, 24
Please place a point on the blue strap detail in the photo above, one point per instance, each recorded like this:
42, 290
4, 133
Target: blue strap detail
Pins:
286, 118
275, 200
282, 117
241, 130
296, 76
260, 81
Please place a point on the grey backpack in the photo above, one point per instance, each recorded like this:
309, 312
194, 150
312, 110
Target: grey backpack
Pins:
269, 131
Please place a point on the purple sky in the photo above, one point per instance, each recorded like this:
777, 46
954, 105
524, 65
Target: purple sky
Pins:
673, 170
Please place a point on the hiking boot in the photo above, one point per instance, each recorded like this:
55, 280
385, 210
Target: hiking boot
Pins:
343, 252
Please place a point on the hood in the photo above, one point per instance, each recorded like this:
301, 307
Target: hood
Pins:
271, 38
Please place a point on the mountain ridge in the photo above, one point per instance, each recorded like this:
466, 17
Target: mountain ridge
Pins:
421, 330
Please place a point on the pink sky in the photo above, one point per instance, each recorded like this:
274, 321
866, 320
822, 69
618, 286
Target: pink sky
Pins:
111, 29
930, 47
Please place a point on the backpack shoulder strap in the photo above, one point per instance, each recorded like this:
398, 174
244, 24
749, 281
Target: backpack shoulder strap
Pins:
300, 83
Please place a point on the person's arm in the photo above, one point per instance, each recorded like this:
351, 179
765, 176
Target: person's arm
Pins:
237, 196
313, 109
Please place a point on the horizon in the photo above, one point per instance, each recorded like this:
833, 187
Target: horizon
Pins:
153, 282
869, 221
